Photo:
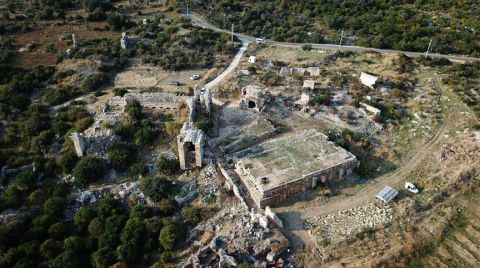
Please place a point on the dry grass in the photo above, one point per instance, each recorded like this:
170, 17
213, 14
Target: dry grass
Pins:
58, 35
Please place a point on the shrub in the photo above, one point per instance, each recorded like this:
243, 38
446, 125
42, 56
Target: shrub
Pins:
88, 169
191, 215
154, 187
139, 169
167, 166
94, 81
146, 136
121, 155
171, 235
54, 206
117, 21
204, 124
66, 162
120, 91
134, 110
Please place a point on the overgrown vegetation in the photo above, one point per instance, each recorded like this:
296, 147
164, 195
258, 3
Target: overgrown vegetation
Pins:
401, 25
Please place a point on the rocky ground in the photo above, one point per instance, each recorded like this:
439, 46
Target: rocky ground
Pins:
332, 228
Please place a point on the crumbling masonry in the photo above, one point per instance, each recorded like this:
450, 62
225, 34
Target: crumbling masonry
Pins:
190, 145
277, 169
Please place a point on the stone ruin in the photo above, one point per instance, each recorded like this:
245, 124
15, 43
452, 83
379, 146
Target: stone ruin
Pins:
168, 102
190, 143
309, 84
124, 40
312, 71
93, 144
164, 102
204, 97
254, 98
74, 41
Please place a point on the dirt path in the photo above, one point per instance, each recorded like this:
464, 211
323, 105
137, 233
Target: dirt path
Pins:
231, 67
292, 215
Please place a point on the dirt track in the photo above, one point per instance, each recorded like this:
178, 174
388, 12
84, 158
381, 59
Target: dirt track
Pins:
291, 216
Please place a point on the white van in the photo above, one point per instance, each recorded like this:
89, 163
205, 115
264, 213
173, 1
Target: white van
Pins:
260, 41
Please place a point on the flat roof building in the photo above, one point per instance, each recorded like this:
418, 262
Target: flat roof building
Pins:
279, 168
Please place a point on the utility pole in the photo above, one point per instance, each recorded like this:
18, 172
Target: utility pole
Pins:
187, 9
232, 31
429, 45
341, 39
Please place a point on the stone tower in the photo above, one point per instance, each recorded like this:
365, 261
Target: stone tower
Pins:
190, 145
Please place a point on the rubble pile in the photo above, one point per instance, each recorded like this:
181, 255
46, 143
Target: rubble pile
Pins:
128, 192
187, 193
209, 178
345, 223
239, 236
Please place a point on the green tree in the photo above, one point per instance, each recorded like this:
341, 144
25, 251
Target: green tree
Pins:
12, 198
67, 161
116, 21
140, 211
121, 156
88, 169
167, 166
154, 187
26, 180
59, 230
134, 110
83, 217
204, 124
133, 238
50, 248
191, 215
171, 235
74, 243
68, 258
96, 228
103, 257
54, 206
146, 136
94, 81
139, 169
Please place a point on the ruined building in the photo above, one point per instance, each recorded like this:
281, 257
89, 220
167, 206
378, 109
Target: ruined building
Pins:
190, 146
74, 40
279, 168
368, 79
96, 145
124, 40
254, 98
204, 98
310, 71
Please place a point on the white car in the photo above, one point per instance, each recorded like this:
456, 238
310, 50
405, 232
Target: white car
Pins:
194, 77
411, 187
260, 41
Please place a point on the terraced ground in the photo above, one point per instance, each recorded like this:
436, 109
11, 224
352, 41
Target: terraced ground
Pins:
461, 246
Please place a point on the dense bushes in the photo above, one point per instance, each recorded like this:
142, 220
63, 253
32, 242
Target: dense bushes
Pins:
402, 25
155, 187
94, 81
121, 156
167, 166
117, 21
198, 47
88, 169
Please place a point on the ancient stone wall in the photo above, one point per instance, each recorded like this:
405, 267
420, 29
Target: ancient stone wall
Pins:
281, 193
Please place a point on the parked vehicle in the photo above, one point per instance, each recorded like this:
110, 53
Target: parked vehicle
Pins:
411, 187
260, 41
194, 77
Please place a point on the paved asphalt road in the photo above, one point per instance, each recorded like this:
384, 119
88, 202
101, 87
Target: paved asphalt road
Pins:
205, 24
